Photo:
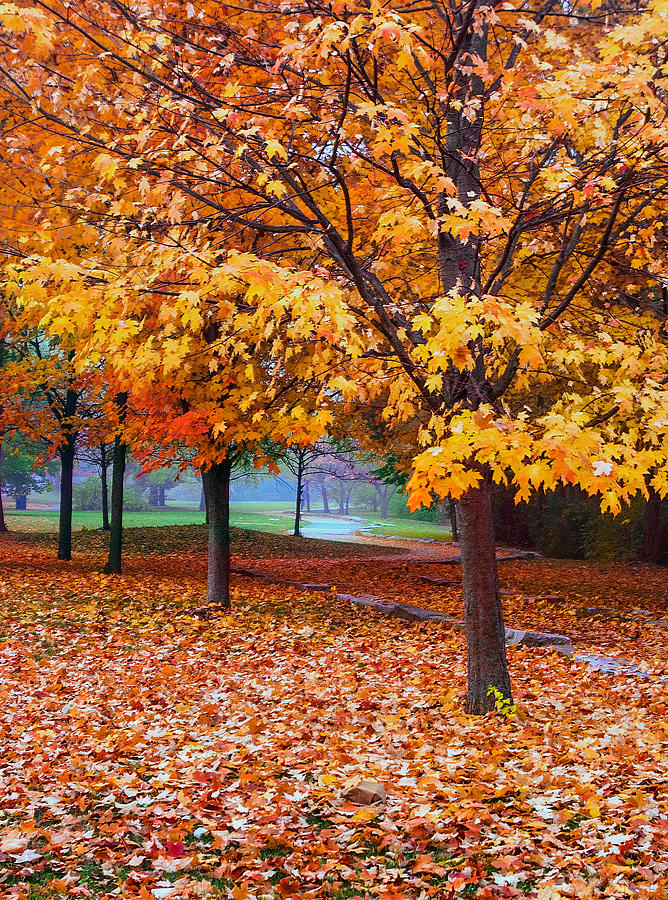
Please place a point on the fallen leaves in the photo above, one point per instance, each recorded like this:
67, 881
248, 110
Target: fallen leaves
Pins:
147, 753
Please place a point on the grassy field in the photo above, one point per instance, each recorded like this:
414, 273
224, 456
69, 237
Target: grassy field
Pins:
405, 528
258, 516
275, 517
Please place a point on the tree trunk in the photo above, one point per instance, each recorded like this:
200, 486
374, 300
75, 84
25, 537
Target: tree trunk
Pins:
453, 520
156, 495
307, 496
218, 578
655, 538
460, 268
298, 503
3, 524
114, 564
105, 489
21, 502
485, 633
385, 501
341, 499
66, 454
325, 499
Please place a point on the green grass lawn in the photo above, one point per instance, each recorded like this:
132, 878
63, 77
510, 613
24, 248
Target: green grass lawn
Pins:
410, 529
47, 519
275, 517
258, 516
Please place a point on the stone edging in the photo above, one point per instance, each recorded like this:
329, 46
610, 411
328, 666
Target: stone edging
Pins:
515, 637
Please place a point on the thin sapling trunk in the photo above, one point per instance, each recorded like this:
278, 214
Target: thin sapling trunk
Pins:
114, 564
105, 488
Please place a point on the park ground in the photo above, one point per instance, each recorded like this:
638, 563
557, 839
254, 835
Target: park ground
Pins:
153, 749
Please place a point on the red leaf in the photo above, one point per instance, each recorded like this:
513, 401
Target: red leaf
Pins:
175, 849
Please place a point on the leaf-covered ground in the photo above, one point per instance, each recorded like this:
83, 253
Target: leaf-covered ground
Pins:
149, 752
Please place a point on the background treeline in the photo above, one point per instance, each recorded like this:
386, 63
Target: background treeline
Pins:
569, 525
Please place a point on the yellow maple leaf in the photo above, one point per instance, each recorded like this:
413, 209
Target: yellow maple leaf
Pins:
274, 148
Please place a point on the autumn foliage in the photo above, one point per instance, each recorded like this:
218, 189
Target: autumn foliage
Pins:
248, 214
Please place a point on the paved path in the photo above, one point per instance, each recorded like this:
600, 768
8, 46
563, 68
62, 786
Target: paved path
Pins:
352, 530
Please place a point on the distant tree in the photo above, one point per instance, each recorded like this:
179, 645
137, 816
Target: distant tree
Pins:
99, 455
159, 482
21, 470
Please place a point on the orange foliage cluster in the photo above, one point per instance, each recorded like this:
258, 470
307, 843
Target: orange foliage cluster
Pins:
149, 753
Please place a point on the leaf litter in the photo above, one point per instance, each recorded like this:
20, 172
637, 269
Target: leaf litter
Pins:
148, 753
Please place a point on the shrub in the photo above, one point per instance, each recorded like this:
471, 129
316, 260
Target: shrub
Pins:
610, 538
134, 500
87, 495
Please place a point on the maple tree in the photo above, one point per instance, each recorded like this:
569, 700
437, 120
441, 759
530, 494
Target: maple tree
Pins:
52, 402
211, 360
476, 187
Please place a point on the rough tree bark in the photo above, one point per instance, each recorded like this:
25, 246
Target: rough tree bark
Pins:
114, 564
485, 633
104, 463
218, 578
66, 454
